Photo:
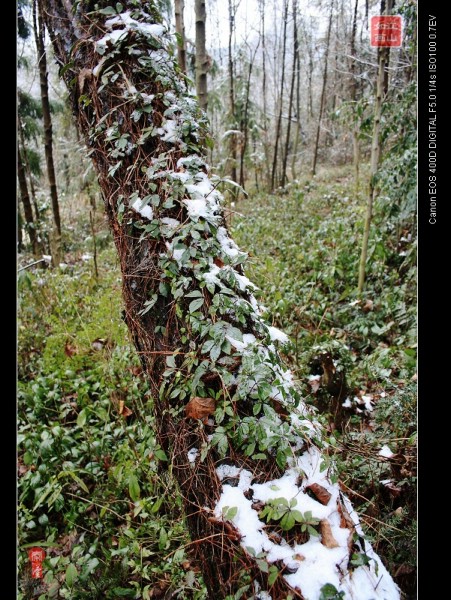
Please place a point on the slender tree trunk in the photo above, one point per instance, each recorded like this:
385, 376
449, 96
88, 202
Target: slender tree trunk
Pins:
298, 102
323, 90
353, 97
48, 135
381, 85
179, 7
245, 124
267, 167
201, 55
233, 152
25, 197
19, 230
279, 119
210, 441
28, 170
290, 106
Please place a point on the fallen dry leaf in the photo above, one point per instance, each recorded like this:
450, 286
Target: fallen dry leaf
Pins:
299, 557
320, 493
69, 350
346, 523
369, 305
327, 538
124, 410
218, 262
200, 408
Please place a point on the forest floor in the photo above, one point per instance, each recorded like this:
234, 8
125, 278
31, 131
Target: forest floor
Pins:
95, 489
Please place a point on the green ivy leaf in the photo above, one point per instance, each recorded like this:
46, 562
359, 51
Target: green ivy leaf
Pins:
108, 10
149, 304
82, 416
71, 574
229, 512
273, 574
161, 454
133, 488
262, 565
194, 294
195, 304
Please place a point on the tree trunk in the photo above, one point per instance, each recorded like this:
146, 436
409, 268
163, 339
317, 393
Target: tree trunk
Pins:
26, 164
290, 106
25, 197
201, 55
48, 136
233, 153
323, 90
179, 8
298, 101
279, 119
197, 327
381, 90
245, 122
262, 9
353, 96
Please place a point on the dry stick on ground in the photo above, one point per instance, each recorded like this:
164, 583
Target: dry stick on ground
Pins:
185, 294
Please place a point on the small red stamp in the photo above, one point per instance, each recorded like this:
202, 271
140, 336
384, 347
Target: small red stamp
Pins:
386, 31
36, 556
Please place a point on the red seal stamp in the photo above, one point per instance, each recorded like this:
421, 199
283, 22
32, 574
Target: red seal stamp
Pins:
36, 556
386, 31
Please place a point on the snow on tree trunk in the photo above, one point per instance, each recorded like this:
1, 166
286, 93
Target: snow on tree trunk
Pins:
264, 508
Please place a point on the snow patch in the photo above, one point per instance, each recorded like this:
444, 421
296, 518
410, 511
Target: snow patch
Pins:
144, 211
385, 452
278, 335
192, 454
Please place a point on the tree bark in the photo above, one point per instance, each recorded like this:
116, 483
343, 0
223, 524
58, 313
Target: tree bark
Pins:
323, 90
279, 119
25, 197
353, 96
290, 105
48, 135
245, 120
26, 164
201, 55
233, 153
193, 319
267, 168
179, 7
381, 91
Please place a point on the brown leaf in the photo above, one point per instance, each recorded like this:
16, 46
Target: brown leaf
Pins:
200, 408
369, 305
84, 74
22, 469
327, 538
346, 523
320, 493
136, 371
299, 557
69, 350
218, 262
279, 407
124, 410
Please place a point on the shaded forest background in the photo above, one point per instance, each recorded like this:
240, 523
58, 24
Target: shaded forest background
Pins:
291, 101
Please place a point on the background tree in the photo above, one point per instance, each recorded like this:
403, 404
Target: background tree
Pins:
38, 27
201, 55
179, 7
381, 93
